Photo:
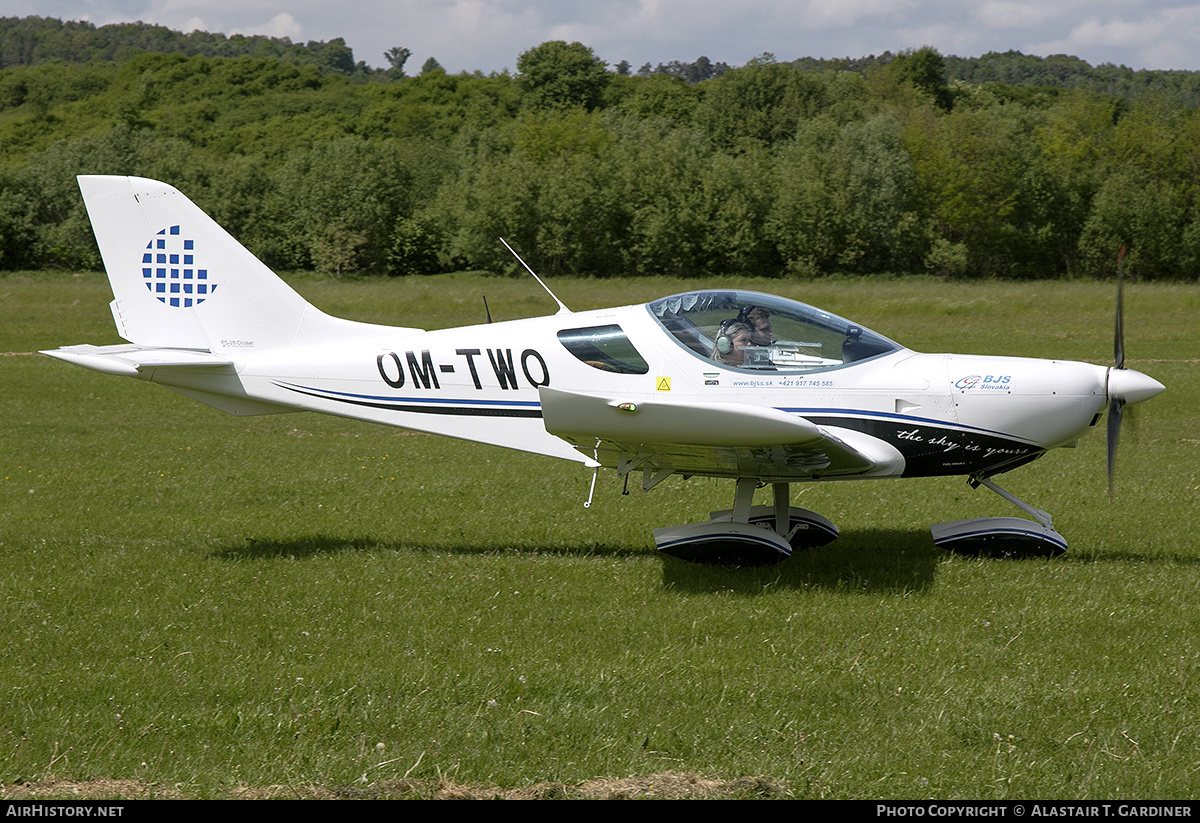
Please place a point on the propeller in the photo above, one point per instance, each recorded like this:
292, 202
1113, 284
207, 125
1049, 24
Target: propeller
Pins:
1115, 404
1125, 386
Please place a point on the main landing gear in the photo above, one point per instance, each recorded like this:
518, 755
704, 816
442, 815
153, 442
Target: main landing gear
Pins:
748, 535
1001, 536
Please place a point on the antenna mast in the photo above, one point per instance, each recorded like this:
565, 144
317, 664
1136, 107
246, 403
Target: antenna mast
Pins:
562, 308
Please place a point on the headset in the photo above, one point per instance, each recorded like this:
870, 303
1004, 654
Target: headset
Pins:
724, 342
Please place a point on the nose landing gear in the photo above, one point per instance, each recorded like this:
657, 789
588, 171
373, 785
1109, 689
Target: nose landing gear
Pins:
1001, 536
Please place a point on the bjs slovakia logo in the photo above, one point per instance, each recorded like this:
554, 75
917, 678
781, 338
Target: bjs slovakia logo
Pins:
170, 271
988, 381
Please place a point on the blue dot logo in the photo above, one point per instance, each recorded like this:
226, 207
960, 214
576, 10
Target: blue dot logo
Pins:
170, 271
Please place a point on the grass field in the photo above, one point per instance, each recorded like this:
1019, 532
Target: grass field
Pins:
199, 604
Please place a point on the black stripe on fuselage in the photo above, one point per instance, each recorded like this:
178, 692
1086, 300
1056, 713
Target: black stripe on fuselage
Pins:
469, 411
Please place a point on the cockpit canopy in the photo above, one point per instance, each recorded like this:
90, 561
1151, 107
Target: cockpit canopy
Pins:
749, 330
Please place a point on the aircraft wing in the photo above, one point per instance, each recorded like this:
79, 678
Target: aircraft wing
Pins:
717, 439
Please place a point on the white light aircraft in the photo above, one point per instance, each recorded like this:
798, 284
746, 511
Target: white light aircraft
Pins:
711, 383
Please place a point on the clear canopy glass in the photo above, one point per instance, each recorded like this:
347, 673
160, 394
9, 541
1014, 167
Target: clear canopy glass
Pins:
760, 332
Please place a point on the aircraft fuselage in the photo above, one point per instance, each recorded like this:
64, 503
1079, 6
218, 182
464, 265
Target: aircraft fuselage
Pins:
945, 414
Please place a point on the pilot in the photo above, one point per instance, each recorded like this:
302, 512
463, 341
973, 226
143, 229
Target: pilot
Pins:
759, 321
732, 339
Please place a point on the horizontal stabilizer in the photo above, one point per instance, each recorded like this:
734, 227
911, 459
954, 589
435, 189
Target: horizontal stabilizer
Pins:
130, 360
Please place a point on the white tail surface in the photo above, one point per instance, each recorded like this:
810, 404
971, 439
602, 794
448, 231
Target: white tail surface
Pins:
181, 281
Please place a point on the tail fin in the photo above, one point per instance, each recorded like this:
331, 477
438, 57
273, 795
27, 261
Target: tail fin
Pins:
181, 281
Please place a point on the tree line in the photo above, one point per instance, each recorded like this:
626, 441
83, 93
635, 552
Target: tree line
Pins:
29, 41
766, 169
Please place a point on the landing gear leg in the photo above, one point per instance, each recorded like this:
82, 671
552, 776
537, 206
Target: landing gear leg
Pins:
803, 529
1001, 536
781, 494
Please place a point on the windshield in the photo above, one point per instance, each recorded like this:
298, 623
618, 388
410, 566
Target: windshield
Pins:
748, 330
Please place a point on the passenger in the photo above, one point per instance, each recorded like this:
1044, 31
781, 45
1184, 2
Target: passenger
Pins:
732, 339
759, 321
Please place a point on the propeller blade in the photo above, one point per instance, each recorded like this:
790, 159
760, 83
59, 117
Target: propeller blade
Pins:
1119, 331
1124, 386
1115, 410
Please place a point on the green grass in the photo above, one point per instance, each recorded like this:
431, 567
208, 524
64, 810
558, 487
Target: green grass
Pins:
200, 602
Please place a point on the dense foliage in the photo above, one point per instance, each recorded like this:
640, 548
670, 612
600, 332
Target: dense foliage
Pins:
28, 41
769, 168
